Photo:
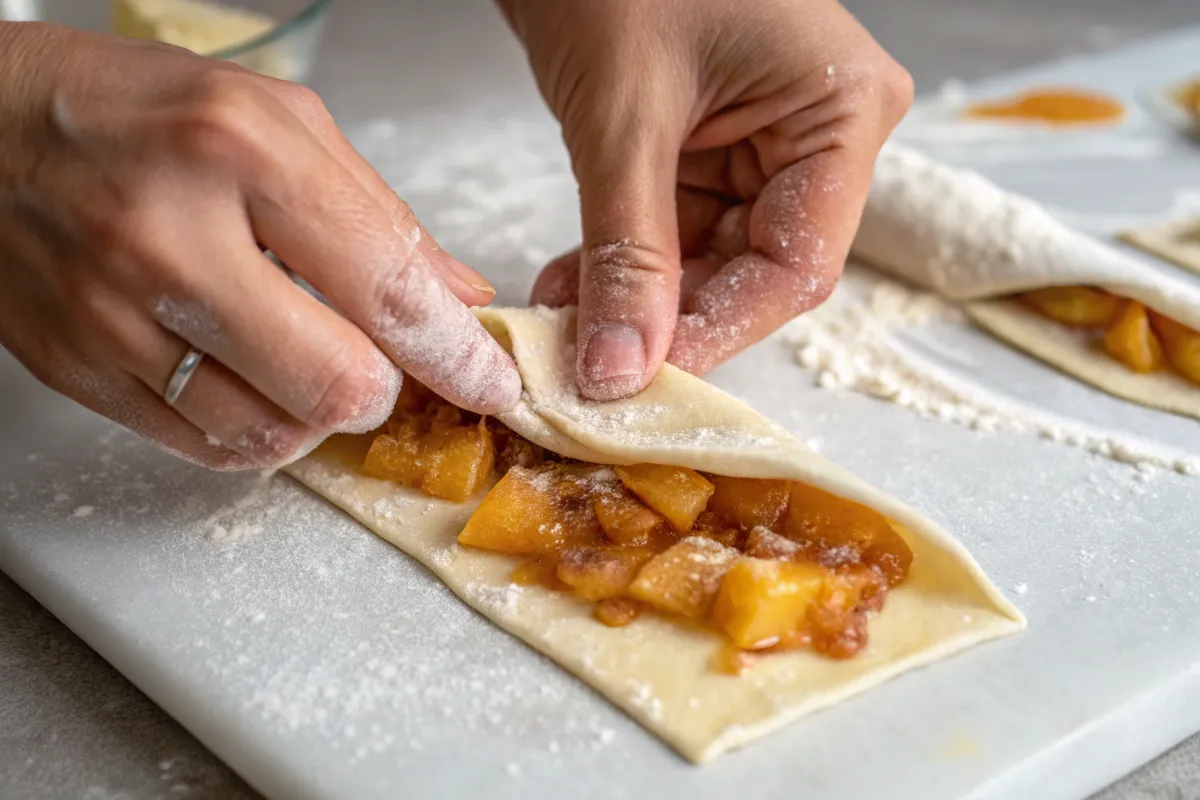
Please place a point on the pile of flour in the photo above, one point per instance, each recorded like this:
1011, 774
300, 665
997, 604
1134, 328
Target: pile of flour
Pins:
850, 343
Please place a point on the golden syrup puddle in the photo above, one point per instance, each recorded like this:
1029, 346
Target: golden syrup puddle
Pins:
1051, 107
1188, 96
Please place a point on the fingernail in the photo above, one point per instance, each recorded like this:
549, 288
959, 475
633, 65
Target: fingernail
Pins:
614, 352
471, 278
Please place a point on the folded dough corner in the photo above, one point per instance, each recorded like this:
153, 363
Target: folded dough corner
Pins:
657, 671
957, 233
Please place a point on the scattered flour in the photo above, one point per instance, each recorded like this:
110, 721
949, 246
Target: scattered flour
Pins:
249, 514
850, 343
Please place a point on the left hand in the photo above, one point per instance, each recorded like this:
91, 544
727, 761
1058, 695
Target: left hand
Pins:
724, 152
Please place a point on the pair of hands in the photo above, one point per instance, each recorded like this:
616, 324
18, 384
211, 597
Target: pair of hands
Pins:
723, 151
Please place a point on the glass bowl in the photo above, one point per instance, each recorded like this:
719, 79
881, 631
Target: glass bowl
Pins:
286, 50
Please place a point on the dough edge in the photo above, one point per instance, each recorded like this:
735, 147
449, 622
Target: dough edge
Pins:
1067, 351
1000, 244
655, 670
1161, 240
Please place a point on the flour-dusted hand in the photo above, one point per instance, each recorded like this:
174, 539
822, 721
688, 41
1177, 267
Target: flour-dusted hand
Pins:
140, 185
723, 150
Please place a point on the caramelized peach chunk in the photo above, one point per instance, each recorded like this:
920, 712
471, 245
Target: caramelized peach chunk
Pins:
395, 457
1189, 97
523, 513
616, 612
1074, 306
760, 602
458, 461
439, 455
1131, 340
733, 660
513, 450
837, 622
596, 573
623, 518
678, 493
765, 543
746, 502
415, 397
685, 578
846, 532
1181, 345
539, 571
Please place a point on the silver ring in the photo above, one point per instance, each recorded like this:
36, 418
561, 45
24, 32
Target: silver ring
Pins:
182, 374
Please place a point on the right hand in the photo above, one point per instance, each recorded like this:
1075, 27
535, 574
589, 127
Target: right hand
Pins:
139, 185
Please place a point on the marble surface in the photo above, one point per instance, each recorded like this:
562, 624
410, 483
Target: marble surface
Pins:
70, 726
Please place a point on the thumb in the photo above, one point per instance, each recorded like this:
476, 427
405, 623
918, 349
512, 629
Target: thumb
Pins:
629, 266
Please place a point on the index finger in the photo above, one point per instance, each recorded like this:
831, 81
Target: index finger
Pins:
800, 231
466, 284
379, 273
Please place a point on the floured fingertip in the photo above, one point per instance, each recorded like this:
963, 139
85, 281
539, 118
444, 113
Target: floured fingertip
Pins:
491, 383
388, 377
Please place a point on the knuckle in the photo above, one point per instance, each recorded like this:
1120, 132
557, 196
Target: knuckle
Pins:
220, 116
351, 395
814, 286
882, 85
403, 298
274, 444
303, 101
896, 91
626, 260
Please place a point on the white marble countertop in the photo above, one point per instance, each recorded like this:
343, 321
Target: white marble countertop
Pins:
71, 726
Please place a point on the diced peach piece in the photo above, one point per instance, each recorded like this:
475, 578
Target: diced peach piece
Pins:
733, 660
625, 520
729, 537
708, 526
838, 635
677, 493
1189, 97
837, 623
513, 450
685, 578
760, 602
459, 462
539, 571
1131, 341
765, 543
521, 515
746, 502
396, 457
1181, 346
1075, 306
845, 532
451, 461
617, 612
414, 397
442, 415
596, 573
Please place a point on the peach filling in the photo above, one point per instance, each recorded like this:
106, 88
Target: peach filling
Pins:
1142, 340
770, 565
1051, 106
1188, 96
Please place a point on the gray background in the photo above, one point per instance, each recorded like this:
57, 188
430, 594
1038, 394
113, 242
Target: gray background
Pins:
70, 726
